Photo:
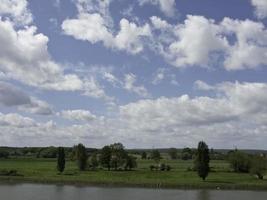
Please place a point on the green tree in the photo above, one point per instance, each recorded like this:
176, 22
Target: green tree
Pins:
258, 166
173, 153
94, 161
81, 156
61, 159
105, 157
4, 154
202, 160
239, 161
118, 155
186, 154
155, 155
130, 163
144, 155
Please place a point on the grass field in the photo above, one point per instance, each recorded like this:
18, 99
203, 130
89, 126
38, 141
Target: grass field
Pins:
44, 171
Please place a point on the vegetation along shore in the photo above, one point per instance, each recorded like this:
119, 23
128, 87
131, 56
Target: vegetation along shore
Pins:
113, 165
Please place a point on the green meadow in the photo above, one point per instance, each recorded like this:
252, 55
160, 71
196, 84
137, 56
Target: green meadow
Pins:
44, 171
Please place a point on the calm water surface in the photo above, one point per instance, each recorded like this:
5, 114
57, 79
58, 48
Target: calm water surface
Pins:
54, 192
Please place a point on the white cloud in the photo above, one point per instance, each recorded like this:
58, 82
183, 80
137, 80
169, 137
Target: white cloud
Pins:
12, 96
166, 6
249, 50
158, 23
234, 44
36, 106
93, 89
95, 6
16, 10
25, 58
111, 78
129, 84
195, 49
260, 8
78, 115
201, 85
93, 28
16, 120
235, 114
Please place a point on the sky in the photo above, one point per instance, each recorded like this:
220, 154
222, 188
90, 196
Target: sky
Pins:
146, 73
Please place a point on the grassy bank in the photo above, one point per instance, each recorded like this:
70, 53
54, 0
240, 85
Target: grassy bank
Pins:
44, 171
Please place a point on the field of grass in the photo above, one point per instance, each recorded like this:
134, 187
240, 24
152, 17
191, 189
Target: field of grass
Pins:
44, 171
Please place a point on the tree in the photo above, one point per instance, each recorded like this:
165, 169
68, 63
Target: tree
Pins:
81, 156
173, 153
130, 163
239, 161
61, 159
94, 161
144, 155
155, 155
118, 155
4, 154
258, 166
202, 160
186, 154
105, 157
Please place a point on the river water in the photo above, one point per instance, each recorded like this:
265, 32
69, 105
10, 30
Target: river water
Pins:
57, 192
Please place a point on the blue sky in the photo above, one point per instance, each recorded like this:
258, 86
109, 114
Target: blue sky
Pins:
162, 73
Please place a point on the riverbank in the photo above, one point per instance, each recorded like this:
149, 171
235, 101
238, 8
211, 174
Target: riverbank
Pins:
44, 171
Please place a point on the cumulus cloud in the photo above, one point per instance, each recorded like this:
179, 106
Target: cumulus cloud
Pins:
25, 58
12, 96
166, 6
93, 28
129, 84
164, 74
236, 113
78, 115
16, 10
260, 8
203, 42
16, 120
249, 50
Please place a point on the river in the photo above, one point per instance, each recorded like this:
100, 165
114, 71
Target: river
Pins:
57, 192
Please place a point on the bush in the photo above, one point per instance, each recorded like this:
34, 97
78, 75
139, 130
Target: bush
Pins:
258, 166
162, 167
4, 154
9, 173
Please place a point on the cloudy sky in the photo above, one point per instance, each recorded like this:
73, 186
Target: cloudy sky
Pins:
147, 73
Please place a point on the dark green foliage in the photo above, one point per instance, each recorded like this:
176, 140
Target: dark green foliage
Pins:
168, 168
155, 155
144, 155
162, 166
187, 154
94, 161
81, 156
202, 160
47, 152
9, 173
239, 161
61, 159
105, 157
173, 153
118, 155
258, 166
130, 163
4, 154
